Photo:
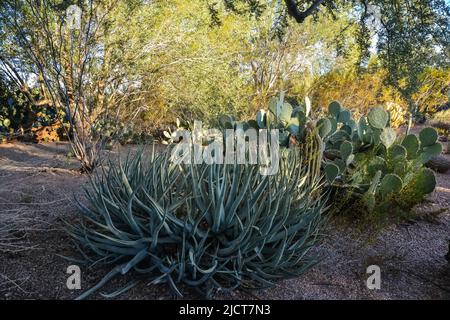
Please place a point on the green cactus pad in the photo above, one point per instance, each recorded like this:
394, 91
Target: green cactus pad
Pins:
362, 127
339, 137
430, 151
398, 151
334, 125
378, 117
334, 109
428, 137
340, 164
425, 181
388, 136
368, 139
324, 126
411, 143
390, 183
346, 150
344, 116
331, 172
352, 124
400, 168
376, 135
347, 129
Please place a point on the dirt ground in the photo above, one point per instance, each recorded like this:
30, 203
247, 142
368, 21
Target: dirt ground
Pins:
38, 188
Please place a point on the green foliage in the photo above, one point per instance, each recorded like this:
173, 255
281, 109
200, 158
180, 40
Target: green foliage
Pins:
13, 108
205, 226
331, 172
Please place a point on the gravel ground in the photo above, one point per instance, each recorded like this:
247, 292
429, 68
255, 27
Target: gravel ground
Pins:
38, 184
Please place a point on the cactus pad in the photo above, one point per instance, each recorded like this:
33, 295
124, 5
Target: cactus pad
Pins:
388, 136
331, 172
324, 126
428, 137
378, 117
334, 109
425, 181
411, 143
346, 150
390, 183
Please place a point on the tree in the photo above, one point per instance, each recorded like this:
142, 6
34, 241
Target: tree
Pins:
91, 73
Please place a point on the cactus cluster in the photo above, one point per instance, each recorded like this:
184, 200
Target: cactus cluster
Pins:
376, 163
366, 155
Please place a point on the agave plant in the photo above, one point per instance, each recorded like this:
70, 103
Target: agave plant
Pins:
207, 226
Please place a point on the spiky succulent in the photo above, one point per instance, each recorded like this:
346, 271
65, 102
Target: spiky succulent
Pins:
205, 226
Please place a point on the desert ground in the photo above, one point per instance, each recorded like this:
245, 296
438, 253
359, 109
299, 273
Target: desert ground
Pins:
39, 184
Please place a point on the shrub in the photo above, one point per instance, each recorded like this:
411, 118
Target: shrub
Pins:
205, 226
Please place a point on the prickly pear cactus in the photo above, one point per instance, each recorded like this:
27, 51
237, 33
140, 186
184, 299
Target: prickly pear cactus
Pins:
382, 168
364, 157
